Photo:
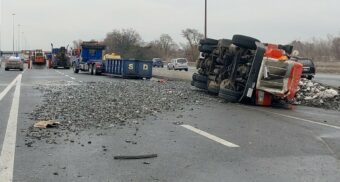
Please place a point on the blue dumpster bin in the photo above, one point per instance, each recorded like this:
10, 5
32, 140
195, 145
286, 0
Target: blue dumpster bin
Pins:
144, 69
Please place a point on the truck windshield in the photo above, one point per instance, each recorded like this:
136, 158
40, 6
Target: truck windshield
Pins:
38, 54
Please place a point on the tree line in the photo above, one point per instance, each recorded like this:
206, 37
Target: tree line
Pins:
321, 50
129, 44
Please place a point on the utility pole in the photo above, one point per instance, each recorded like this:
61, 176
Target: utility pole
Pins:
13, 14
205, 19
19, 37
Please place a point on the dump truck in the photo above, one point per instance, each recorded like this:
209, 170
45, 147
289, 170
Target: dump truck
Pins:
90, 58
247, 71
60, 58
37, 57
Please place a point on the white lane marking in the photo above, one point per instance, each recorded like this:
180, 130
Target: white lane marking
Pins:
8, 88
66, 75
8, 147
296, 118
210, 136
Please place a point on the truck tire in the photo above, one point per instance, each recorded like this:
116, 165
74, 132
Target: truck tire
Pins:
91, 69
230, 95
200, 85
206, 48
208, 41
75, 70
245, 42
200, 78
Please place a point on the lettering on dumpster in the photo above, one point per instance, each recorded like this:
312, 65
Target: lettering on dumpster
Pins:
130, 66
145, 67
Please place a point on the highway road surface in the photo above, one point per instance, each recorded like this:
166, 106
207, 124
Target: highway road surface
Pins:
328, 79
212, 141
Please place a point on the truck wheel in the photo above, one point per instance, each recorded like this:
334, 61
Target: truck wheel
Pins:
94, 70
208, 41
91, 69
206, 48
75, 70
245, 42
6, 69
230, 95
200, 78
200, 85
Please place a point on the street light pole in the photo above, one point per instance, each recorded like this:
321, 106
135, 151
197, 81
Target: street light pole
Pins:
13, 14
19, 37
205, 20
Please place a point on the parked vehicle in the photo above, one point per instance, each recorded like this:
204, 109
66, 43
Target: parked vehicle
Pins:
0, 62
157, 62
14, 63
178, 64
308, 67
60, 58
245, 70
90, 59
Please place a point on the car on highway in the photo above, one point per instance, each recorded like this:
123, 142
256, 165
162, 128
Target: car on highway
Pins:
157, 62
308, 67
178, 64
14, 62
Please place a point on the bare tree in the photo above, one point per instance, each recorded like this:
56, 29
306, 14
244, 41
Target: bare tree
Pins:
193, 37
336, 48
123, 42
164, 47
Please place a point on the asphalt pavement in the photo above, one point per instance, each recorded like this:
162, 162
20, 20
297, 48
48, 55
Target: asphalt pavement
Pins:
328, 79
213, 141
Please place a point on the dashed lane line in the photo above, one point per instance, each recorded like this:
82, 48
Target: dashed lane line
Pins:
8, 147
210, 136
8, 88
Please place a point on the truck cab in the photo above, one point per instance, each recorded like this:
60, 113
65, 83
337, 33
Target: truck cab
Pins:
90, 59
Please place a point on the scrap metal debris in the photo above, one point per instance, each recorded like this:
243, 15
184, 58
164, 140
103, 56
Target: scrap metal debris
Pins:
317, 95
127, 157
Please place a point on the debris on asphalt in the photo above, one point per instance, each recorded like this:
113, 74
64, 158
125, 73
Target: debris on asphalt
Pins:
314, 94
127, 157
113, 104
46, 124
178, 123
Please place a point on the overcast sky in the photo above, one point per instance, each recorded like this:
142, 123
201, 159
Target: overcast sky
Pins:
62, 21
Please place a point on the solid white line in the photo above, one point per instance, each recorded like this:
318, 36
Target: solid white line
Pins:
296, 118
8, 147
210, 136
8, 88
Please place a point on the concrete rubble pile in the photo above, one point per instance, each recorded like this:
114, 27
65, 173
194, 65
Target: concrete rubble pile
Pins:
314, 94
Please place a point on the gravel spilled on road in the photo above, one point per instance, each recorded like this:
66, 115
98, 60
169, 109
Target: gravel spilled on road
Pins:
105, 105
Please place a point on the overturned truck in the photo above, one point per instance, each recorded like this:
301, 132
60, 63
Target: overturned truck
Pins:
247, 71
